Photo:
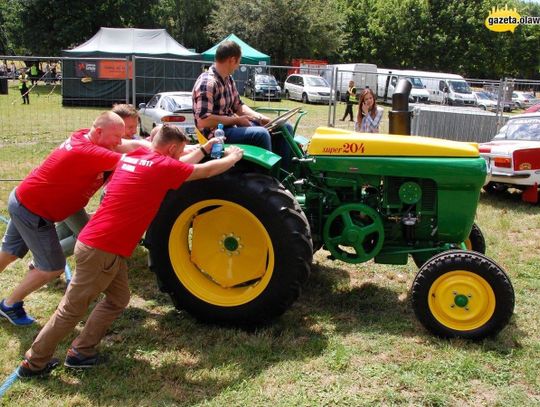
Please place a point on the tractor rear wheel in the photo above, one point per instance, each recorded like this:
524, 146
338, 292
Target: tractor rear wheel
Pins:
232, 249
462, 294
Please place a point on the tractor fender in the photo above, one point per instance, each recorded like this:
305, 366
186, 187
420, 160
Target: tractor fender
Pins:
259, 156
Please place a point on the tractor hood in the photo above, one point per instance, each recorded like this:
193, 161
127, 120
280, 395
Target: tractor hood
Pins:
335, 142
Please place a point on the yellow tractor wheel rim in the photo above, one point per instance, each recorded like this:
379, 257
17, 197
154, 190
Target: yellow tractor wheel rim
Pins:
221, 253
468, 244
461, 300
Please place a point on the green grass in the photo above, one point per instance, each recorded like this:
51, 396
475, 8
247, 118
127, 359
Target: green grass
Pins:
350, 340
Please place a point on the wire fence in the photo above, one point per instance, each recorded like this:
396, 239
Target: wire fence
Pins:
66, 94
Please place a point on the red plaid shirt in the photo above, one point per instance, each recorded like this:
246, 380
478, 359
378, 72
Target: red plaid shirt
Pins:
213, 94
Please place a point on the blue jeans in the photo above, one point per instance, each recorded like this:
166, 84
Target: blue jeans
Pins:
260, 137
254, 135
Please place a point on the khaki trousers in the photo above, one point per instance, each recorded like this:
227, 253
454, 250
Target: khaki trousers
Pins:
96, 272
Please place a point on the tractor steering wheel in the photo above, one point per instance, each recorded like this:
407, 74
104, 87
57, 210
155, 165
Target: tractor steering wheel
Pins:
281, 120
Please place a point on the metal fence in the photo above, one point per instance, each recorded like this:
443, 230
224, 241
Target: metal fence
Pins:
68, 93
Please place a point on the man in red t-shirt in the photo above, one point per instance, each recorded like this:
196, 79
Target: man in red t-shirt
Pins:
59, 187
133, 197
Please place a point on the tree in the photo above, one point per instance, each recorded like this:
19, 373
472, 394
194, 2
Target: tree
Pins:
52, 25
439, 35
10, 27
186, 20
283, 29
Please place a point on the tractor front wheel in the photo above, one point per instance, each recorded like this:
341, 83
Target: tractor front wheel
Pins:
462, 294
232, 249
475, 242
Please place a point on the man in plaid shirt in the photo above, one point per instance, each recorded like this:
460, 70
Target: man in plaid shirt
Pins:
216, 100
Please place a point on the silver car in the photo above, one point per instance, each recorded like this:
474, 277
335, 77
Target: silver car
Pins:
175, 108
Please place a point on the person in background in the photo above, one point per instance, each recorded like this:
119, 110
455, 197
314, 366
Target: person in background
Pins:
133, 197
350, 101
23, 87
369, 114
34, 73
130, 116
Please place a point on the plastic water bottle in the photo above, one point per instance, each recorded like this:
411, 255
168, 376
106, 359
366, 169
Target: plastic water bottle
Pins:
217, 148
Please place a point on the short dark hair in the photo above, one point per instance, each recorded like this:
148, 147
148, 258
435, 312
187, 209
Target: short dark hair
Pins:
228, 49
125, 110
170, 134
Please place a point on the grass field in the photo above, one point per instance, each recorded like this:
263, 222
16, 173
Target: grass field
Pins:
350, 340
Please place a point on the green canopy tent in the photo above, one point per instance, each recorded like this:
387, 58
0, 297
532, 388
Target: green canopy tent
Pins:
250, 56
92, 78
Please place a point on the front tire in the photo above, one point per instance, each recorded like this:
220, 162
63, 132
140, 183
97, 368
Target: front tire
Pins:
474, 242
232, 249
305, 98
462, 294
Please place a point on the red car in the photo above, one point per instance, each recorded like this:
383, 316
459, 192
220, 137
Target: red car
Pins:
513, 156
533, 109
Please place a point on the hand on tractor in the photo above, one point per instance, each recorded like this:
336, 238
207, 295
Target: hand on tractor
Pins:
235, 152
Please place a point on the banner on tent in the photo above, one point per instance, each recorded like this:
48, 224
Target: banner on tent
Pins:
104, 69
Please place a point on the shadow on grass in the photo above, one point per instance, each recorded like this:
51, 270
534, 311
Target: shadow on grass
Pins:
170, 359
508, 200
380, 310
364, 308
166, 357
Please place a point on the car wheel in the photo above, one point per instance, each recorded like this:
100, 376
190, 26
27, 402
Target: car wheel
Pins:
305, 98
142, 133
483, 107
287, 95
495, 188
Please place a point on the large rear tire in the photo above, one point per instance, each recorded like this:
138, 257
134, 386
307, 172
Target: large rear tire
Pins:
462, 294
232, 249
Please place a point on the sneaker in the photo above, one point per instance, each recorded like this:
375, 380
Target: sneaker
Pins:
24, 371
16, 314
75, 360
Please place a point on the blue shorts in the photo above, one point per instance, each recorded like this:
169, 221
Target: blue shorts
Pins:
28, 231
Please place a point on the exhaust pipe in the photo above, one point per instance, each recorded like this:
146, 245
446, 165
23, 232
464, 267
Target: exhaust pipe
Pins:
400, 116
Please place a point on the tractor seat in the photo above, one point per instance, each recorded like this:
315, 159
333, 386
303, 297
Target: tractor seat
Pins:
330, 141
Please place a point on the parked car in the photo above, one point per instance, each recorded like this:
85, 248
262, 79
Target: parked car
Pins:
262, 86
533, 109
523, 100
488, 101
307, 88
174, 108
485, 101
513, 156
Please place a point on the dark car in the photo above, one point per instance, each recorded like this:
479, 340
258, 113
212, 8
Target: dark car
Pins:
262, 86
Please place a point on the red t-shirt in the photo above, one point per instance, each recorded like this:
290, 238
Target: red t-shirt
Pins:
134, 194
67, 179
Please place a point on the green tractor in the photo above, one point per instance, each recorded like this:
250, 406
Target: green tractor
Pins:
237, 248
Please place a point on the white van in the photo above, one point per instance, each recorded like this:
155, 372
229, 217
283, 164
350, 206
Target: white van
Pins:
390, 78
363, 75
446, 88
